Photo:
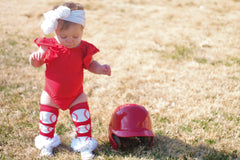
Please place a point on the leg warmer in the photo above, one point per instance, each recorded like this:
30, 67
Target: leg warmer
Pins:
48, 120
46, 141
82, 120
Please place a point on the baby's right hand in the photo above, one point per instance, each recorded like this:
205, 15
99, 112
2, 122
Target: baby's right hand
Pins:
36, 56
36, 59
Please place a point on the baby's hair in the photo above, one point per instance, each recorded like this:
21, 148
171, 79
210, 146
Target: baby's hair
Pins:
62, 24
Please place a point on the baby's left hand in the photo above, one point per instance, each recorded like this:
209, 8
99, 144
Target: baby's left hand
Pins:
106, 69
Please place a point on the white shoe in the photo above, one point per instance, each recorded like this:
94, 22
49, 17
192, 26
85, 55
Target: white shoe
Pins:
46, 152
86, 155
83, 146
46, 145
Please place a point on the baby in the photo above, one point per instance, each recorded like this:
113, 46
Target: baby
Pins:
65, 56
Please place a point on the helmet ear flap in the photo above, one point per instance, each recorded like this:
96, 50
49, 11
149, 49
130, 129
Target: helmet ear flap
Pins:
117, 141
146, 141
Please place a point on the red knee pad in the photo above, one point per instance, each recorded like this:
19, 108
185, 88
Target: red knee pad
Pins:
81, 119
48, 119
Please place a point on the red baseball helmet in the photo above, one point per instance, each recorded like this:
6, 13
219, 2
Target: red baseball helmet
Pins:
129, 121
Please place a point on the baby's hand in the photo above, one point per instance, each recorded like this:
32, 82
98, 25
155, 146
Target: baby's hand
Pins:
106, 69
36, 56
36, 59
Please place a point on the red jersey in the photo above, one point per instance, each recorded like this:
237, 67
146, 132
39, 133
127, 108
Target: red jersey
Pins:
64, 69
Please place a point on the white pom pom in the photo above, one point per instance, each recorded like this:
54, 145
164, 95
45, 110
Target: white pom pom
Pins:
50, 15
48, 26
50, 23
41, 142
62, 12
79, 146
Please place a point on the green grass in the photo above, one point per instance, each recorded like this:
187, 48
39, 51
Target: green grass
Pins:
182, 52
185, 127
201, 60
61, 129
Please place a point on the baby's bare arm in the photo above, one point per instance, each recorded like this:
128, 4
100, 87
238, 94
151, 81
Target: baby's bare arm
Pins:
97, 68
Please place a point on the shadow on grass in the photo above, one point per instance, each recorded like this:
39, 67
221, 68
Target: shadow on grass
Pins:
167, 148
62, 148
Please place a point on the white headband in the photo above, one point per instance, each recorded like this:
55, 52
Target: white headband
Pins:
50, 23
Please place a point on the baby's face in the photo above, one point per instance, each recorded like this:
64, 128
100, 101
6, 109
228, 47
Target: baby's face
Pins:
70, 37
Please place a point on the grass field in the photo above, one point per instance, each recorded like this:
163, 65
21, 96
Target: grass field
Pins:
179, 59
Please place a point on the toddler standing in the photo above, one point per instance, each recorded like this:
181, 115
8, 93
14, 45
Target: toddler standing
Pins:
65, 56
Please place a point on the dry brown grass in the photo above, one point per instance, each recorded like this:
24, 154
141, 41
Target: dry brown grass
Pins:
179, 59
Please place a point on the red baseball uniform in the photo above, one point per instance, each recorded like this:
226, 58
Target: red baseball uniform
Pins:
64, 69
